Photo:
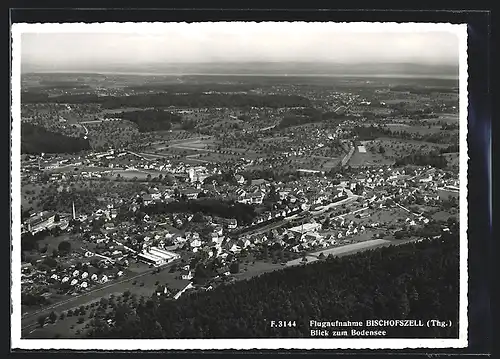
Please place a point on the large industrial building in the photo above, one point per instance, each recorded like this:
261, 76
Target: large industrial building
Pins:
40, 221
157, 256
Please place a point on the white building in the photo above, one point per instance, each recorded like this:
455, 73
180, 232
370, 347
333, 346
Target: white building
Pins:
306, 227
157, 256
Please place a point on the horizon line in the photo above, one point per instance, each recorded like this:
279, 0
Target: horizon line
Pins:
132, 73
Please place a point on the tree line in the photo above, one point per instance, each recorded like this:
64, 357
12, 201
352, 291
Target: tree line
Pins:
178, 100
243, 213
428, 159
424, 90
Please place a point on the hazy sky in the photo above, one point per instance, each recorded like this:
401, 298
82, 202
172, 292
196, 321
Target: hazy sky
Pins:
248, 42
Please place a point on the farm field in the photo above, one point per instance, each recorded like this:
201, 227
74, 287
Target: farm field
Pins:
277, 139
176, 136
194, 143
395, 148
443, 216
107, 111
449, 117
215, 157
71, 168
422, 130
196, 161
405, 100
150, 157
250, 270
181, 146
368, 158
328, 165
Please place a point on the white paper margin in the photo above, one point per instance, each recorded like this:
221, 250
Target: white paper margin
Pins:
219, 344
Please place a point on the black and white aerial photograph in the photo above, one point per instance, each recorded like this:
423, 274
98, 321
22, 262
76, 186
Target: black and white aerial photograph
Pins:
301, 182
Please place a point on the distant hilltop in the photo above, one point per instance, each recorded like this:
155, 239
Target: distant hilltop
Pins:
261, 68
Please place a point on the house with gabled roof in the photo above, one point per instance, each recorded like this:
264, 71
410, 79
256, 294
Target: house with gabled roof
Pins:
239, 179
187, 274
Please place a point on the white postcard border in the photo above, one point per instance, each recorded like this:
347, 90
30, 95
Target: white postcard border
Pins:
218, 344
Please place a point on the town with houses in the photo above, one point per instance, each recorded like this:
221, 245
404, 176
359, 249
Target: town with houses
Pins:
313, 213
227, 193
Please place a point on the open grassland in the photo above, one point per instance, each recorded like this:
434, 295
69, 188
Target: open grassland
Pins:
449, 117
421, 130
396, 148
368, 158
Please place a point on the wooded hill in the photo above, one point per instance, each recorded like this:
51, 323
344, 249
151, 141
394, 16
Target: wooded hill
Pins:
37, 139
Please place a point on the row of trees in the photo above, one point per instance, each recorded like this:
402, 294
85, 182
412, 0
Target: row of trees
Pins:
429, 159
372, 132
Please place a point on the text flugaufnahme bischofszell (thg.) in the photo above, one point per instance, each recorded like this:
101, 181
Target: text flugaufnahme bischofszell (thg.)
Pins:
368, 328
